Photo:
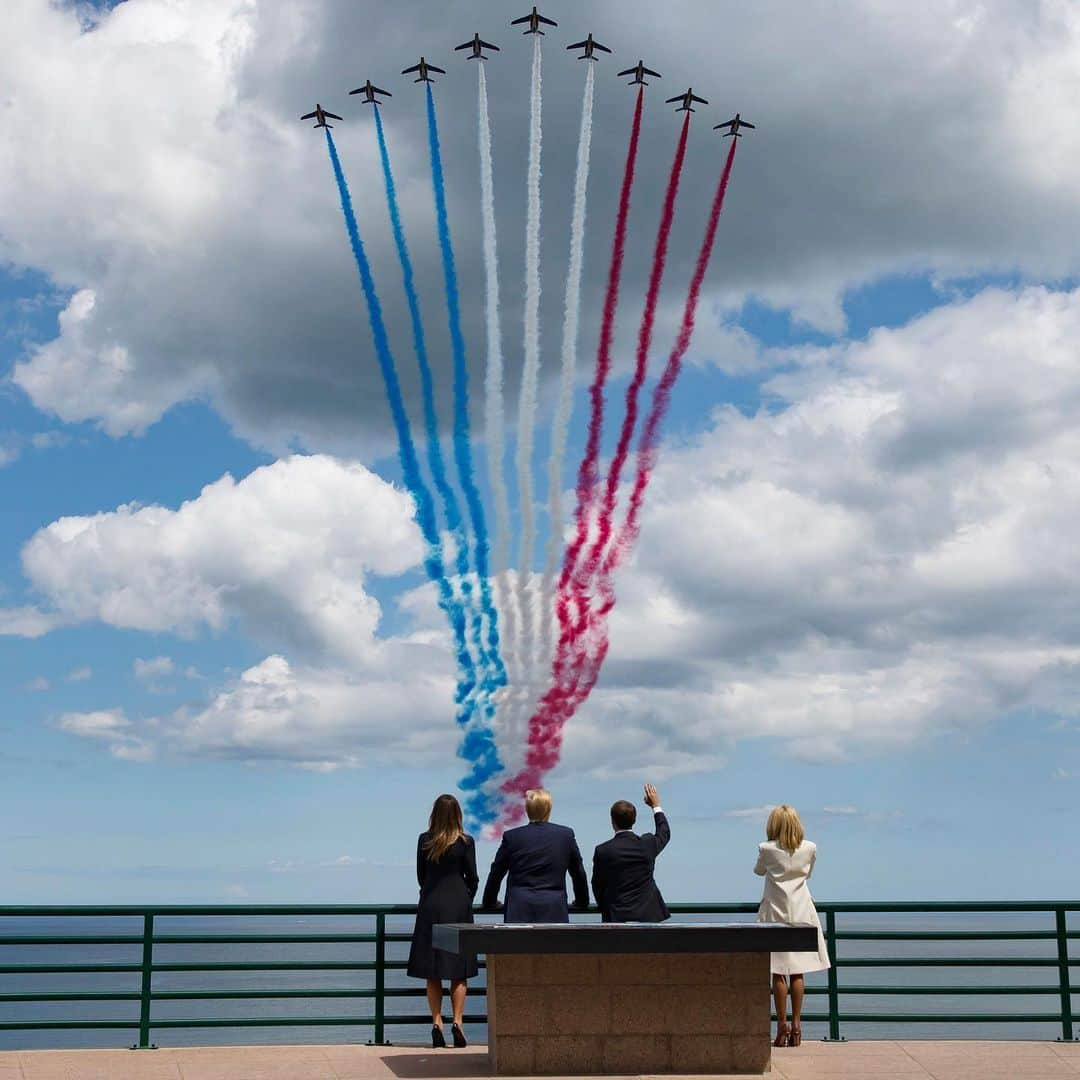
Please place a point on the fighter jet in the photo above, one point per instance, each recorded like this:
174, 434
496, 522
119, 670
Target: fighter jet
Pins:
320, 116
687, 100
534, 20
477, 45
589, 46
639, 72
734, 125
369, 90
425, 70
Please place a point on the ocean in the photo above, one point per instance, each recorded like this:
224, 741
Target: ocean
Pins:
944, 1004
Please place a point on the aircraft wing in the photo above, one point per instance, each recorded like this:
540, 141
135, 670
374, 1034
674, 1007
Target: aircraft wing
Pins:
746, 123
581, 45
409, 71
310, 116
549, 22
518, 22
677, 97
432, 67
333, 116
488, 45
602, 48
655, 74
467, 45
694, 97
378, 91
628, 71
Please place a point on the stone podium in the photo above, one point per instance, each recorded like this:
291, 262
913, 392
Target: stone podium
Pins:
573, 999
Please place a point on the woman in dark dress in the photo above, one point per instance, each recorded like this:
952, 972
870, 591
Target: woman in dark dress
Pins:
446, 871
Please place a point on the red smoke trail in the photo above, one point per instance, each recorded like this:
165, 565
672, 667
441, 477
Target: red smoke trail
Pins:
645, 333
568, 693
588, 470
650, 435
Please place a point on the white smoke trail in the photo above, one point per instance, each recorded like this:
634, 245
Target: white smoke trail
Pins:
561, 426
529, 379
494, 420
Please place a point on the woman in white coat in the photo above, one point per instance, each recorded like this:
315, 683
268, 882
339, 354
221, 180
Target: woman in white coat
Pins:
786, 861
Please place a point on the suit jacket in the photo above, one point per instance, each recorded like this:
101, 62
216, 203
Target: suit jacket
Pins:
622, 877
537, 857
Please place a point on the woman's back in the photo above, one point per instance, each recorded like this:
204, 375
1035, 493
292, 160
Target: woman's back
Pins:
457, 864
787, 896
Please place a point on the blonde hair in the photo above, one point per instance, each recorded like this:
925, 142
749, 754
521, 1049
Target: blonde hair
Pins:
785, 827
538, 804
444, 827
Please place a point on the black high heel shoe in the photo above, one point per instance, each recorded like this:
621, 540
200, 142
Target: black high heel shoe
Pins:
459, 1037
438, 1040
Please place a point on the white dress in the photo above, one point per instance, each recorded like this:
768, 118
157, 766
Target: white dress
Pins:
787, 899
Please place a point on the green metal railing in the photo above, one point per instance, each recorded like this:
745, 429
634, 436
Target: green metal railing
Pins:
147, 993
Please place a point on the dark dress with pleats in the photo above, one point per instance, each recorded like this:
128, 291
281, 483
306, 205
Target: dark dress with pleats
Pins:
447, 888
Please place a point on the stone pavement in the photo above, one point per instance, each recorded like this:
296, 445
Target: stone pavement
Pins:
811, 1061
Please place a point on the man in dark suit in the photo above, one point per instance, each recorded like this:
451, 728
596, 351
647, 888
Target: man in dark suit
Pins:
622, 877
537, 856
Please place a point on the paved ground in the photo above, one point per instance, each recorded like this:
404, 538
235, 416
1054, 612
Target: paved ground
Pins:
811, 1061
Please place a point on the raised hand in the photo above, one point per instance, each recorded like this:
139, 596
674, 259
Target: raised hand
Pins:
652, 796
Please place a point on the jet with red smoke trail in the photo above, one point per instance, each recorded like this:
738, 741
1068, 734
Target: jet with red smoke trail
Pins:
320, 116
477, 45
369, 90
534, 19
687, 100
590, 46
425, 69
639, 71
734, 124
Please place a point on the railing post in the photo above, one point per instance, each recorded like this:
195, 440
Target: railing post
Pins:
380, 978
834, 996
1063, 975
147, 984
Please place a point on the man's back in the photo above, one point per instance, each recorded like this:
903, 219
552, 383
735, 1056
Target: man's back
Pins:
622, 878
537, 857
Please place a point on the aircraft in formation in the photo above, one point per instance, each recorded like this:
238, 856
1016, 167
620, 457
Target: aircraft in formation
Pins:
477, 46
320, 116
425, 69
369, 90
734, 124
687, 100
534, 20
639, 71
589, 45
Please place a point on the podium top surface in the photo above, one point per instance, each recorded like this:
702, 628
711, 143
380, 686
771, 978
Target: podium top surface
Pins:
669, 937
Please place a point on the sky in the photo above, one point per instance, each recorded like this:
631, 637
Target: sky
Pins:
856, 585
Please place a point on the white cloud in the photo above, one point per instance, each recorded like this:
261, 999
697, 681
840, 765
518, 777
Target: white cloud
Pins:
37, 685
110, 726
750, 813
27, 622
287, 550
79, 674
156, 668
841, 811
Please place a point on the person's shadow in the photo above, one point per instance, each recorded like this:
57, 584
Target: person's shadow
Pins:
411, 1063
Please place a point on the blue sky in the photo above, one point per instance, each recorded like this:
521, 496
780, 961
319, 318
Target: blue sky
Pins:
853, 590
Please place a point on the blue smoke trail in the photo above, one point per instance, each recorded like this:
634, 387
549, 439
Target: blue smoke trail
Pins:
479, 743
431, 422
462, 448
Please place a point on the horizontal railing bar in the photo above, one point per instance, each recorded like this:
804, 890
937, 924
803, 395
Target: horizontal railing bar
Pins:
271, 965
229, 995
270, 1021
946, 961
86, 939
954, 991
261, 939
946, 935
947, 1018
75, 995
66, 1025
843, 906
66, 969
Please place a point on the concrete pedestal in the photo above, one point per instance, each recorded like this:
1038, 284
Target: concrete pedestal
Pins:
588, 999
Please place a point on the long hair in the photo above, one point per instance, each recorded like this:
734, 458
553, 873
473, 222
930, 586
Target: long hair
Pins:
785, 827
444, 827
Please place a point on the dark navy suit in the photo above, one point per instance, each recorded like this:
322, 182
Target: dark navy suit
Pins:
622, 877
537, 857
